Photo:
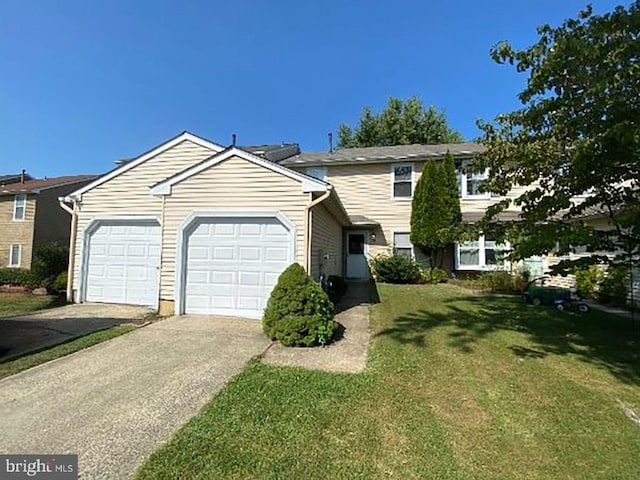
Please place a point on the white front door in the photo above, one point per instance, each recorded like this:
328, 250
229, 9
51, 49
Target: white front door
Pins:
123, 262
357, 264
232, 264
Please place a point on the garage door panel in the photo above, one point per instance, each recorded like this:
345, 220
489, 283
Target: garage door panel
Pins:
223, 253
250, 253
246, 258
122, 264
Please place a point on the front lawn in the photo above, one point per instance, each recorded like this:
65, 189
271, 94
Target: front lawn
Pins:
458, 386
14, 304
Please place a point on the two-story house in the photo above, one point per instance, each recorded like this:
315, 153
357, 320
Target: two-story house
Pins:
195, 227
31, 217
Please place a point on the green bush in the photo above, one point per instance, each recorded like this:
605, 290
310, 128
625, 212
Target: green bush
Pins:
299, 312
614, 287
434, 275
503, 282
587, 281
60, 283
18, 276
48, 262
396, 269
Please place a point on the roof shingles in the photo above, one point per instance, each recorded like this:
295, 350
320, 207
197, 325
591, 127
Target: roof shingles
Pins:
384, 154
34, 186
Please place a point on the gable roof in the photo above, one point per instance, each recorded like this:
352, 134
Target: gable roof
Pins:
39, 184
390, 154
309, 184
146, 156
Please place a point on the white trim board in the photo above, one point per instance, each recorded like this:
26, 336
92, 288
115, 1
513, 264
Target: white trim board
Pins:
146, 156
309, 184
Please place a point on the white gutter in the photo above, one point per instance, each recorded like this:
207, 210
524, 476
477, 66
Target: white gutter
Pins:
307, 238
72, 241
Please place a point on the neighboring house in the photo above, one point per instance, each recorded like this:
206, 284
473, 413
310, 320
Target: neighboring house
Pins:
193, 227
30, 215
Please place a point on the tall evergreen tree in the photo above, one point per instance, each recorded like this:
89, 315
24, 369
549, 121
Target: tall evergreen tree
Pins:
435, 209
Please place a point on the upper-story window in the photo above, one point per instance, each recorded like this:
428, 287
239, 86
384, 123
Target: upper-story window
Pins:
402, 181
470, 184
317, 172
19, 206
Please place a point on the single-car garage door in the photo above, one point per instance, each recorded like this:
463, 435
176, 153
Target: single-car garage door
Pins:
123, 263
232, 264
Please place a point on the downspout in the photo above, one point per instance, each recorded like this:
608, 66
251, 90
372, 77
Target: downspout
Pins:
162, 214
72, 243
307, 239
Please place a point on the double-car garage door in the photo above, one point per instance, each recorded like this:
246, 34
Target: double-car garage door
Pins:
229, 265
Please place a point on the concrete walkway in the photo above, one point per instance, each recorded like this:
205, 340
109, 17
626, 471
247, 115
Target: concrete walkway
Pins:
115, 403
349, 353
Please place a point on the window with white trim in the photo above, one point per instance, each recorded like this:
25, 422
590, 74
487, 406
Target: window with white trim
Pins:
19, 206
402, 181
481, 254
317, 172
402, 244
15, 254
470, 183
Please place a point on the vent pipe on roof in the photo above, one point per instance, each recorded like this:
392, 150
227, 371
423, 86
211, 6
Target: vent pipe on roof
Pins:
330, 135
22, 176
233, 139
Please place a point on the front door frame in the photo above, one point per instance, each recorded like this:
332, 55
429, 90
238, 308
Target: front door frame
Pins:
365, 253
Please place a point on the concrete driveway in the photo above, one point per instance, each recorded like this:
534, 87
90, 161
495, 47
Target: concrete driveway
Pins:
38, 330
115, 403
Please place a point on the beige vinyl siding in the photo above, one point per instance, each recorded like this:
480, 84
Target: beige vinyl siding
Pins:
128, 193
326, 239
16, 231
366, 189
234, 184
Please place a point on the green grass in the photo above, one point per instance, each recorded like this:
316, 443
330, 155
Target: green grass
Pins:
459, 386
22, 363
13, 304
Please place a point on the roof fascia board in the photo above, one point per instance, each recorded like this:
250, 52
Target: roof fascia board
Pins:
407, 159
146, 156
309, 184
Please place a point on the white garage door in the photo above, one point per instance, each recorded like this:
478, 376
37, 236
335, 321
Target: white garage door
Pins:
233, 264
123, 264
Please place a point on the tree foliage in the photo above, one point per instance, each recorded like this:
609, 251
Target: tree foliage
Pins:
435, 209
576, 133
399, 123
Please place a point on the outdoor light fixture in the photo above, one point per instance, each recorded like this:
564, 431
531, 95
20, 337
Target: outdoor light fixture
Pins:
373, 237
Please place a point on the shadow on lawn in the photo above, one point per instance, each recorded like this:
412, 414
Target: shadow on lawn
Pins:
595, 337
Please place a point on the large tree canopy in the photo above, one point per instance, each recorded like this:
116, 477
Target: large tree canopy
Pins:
399, 123
576, 140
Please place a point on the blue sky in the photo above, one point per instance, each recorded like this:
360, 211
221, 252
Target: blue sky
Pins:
83, 83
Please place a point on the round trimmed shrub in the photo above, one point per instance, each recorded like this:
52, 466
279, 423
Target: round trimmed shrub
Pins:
299, 313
